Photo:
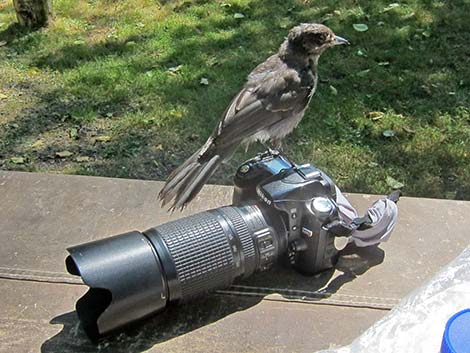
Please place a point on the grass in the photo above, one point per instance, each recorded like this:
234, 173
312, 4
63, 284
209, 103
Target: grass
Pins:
116, 86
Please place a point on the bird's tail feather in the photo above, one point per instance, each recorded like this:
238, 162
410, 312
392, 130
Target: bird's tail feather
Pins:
187, 180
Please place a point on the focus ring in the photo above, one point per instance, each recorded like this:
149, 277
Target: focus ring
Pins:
246, 238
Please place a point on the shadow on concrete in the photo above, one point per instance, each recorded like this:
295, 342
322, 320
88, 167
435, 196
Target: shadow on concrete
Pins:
352, 263
177, 320
174, 321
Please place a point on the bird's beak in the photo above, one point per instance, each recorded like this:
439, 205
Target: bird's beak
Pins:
340, 40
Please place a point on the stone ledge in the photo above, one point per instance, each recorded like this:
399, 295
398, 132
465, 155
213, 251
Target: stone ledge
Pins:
43, 214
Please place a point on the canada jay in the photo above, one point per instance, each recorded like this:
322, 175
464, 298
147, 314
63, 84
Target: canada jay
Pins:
269, 106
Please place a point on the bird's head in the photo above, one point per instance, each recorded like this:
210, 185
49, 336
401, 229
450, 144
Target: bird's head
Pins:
312, 39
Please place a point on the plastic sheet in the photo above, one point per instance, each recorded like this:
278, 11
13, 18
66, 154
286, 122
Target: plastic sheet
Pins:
417, 323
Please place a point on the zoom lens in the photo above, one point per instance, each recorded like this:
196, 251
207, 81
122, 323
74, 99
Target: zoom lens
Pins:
134, 275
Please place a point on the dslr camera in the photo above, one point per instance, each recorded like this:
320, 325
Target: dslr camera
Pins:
280, 211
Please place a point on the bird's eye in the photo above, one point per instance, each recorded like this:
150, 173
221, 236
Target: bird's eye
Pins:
321, 37
318, 38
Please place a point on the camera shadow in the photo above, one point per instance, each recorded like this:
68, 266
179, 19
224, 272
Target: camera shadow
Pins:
174, 321
352, 263
177, 320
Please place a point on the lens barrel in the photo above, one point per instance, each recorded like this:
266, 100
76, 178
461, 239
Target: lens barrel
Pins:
134, 275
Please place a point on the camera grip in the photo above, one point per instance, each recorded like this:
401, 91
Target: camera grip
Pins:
320, 253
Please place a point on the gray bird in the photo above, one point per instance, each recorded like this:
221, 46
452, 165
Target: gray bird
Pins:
270, 106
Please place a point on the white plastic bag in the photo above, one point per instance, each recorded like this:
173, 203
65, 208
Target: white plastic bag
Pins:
417, 323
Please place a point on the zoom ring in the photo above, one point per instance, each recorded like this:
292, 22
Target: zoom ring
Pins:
201, 253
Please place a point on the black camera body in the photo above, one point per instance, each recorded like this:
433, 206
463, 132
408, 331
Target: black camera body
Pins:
280, 211
302, 198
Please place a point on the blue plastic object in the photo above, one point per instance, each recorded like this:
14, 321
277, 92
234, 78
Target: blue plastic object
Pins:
457, 333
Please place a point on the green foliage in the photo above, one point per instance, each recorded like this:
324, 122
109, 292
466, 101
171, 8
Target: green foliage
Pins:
131, 88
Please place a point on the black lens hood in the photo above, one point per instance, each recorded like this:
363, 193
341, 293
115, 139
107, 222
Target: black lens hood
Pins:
125, 278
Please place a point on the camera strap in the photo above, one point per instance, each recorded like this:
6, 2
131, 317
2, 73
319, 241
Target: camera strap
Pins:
374, 227
343, 229
340, 228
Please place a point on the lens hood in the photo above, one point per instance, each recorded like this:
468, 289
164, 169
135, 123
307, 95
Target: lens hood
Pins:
125, 279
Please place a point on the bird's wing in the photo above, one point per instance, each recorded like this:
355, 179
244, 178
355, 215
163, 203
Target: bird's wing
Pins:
275, 96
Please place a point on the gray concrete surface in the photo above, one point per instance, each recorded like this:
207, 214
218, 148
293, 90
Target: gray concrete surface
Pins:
277, 311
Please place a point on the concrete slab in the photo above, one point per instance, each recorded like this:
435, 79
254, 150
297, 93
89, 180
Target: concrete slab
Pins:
218, 323
43, 214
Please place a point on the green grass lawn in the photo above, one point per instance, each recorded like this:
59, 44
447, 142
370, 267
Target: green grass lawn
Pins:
114, 88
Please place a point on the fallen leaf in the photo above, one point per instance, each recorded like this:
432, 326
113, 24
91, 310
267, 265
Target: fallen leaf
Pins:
159, 147
212, 61
63, 154
34, 70
360, 27
173, 70
361, 53
2, 43
238, 15
81, 159
363, 73
38, 144
389, 133
103, 138
204, 81
383, 63
73, 133
375, 115
333, 90
404, 29
408, 130
3, 96
17, 160
426, 34
391, 6
176, 113
393, 183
